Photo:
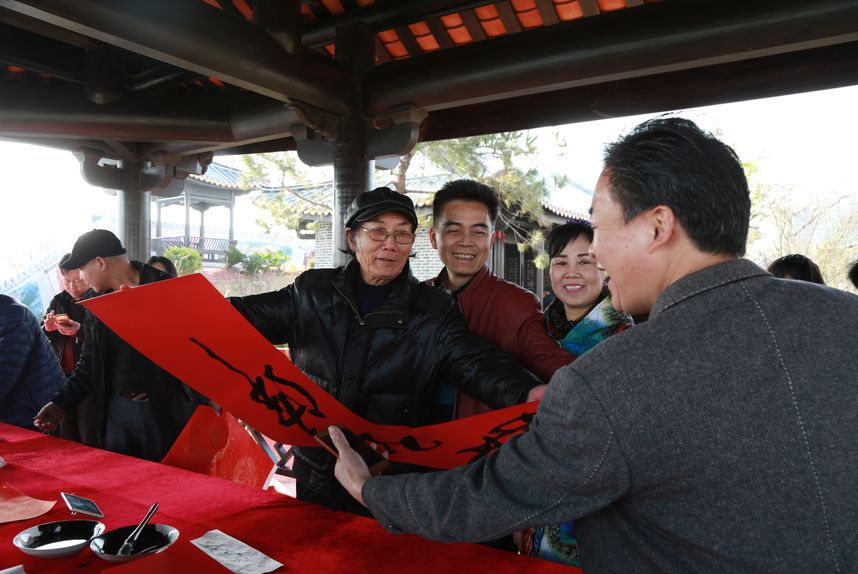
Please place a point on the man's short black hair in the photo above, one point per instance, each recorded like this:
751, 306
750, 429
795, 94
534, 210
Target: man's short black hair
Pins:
672, 162
466, 190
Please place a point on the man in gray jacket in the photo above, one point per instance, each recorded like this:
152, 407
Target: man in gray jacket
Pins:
719, 436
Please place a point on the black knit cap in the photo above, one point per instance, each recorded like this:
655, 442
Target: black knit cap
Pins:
380, 200
92, 244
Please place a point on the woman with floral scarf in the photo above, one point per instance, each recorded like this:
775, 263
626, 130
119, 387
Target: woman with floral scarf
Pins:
579, 318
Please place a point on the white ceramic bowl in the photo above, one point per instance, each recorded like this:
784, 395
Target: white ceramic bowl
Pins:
55, 539
153, 539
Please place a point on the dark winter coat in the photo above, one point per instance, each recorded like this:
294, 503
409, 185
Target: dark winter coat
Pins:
65, 303
29, 370
385, 366
172, 402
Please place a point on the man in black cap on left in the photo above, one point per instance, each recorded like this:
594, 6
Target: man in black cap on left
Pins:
139, 407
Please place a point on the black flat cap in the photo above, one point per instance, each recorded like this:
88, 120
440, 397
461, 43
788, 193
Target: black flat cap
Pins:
380, 200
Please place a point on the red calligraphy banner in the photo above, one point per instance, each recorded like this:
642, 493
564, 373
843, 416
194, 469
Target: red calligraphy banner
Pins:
187, 327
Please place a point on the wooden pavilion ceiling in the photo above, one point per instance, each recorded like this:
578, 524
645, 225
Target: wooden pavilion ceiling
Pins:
152, 79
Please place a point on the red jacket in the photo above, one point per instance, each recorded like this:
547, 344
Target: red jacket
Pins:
511, 318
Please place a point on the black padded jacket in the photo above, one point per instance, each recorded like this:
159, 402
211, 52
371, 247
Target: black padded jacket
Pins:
387, 365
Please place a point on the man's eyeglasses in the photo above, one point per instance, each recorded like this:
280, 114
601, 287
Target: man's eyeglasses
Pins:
380, 234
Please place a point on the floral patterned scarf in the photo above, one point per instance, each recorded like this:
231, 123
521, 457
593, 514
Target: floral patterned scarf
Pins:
558, 543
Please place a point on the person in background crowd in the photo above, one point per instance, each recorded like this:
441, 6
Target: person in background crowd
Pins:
853, 273
580, 318
719, 436
378, 340
29, 371
63, 324
798, 267
141, 408
464, 214
164, 264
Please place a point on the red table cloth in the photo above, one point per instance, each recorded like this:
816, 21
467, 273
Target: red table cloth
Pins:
304, 537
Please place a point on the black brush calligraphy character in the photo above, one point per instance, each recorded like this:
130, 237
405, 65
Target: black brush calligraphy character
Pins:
289, 411
409, 442
494, 439
412, 444
314, 406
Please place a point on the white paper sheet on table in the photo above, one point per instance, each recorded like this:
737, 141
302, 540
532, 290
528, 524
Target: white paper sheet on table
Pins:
15, 505
235, 554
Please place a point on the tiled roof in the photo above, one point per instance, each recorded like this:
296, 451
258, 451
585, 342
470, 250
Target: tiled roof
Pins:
316, 200
221, 176
576, 199
568, 213
312, 200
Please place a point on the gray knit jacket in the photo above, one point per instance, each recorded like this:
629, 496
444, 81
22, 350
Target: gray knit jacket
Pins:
719, 436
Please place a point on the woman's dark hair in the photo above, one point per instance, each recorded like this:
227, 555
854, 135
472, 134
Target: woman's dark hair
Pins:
560, 236
853, 273
171, 269
795, 266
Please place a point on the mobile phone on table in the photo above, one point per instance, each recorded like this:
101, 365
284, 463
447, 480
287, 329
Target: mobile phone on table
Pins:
377, 464
82, 505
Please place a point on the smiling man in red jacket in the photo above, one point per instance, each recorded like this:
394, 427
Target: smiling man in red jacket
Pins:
464, 213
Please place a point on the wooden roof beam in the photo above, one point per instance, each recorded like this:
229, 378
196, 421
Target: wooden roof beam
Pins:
56, 112
589, 7
795, 72
652, 39
44, 29
194, 125
472, 24
38, 54
439, 31
508, 17
547, 12
200, 38
387, 14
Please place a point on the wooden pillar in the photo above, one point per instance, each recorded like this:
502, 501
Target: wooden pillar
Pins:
355, 48
187, 217
158, 232
134, 213
146, 225
202, 240
231, 216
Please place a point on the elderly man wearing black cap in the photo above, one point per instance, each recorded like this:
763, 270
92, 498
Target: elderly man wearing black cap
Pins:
139, 408
377, 339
